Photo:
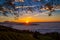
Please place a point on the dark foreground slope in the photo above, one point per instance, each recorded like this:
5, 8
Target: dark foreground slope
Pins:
7, 33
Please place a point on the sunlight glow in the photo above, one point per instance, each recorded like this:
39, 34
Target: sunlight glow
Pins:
27, 22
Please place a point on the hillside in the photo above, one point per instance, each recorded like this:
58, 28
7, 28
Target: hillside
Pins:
7, 33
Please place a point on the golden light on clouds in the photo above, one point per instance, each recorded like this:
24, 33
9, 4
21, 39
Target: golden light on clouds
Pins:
28, 19
19, 0
25, 19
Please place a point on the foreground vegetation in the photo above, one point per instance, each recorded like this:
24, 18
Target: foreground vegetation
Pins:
13, 34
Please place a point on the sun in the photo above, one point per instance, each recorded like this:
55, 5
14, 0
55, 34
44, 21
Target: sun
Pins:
27, 22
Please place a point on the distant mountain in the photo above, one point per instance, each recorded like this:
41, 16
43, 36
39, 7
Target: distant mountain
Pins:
18, 23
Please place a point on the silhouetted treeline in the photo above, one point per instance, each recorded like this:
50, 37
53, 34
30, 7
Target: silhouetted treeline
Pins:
7, 33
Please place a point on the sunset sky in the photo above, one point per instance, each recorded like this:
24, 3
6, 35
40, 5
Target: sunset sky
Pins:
33, 17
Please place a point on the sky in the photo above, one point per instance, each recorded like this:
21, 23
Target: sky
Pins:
32, 17
42, 17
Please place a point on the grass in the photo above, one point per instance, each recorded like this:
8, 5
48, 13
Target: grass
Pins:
7, 33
